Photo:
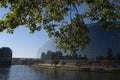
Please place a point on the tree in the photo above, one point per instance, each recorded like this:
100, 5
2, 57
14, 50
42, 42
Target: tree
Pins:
62, 19
89, 63
78, 64
63, 63
55, 62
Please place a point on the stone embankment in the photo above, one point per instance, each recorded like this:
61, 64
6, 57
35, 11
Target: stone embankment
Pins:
76, 68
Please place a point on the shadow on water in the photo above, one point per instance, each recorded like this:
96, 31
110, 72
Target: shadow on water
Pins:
4, 73
49, 74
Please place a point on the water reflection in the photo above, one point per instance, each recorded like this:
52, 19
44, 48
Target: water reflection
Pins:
46, 74
4, 73
21, 72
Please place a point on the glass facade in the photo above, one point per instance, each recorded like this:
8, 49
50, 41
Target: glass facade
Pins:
101, 42
48, 46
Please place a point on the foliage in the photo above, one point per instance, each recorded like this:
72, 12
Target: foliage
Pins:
55, 62
89, 63
78, 64
63, 63
62, 19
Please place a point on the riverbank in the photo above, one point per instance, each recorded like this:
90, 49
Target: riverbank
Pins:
76, 68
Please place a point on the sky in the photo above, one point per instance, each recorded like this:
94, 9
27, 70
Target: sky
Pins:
22, 43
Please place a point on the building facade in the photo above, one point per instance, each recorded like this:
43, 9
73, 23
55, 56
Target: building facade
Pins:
101, 42
5, 56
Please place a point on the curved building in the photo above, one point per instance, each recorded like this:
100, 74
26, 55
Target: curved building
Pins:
5, 56
48, 46
102, 43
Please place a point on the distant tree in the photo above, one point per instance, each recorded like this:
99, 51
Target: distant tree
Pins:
89, 63
78, 64
24, 62
55, 62
63, 63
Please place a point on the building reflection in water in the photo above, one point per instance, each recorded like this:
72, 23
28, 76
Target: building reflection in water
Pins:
4, 73
22, 72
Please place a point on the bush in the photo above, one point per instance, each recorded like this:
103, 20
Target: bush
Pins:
63, 63
55, 62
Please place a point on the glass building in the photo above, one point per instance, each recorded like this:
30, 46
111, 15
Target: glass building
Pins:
101, 42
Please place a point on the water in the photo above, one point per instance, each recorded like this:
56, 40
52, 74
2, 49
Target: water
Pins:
21, 72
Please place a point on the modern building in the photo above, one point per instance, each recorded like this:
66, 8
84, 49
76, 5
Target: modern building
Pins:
51, 56
101, 41
5, 56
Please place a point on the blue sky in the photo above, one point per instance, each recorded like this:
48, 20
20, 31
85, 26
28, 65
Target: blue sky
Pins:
22, 43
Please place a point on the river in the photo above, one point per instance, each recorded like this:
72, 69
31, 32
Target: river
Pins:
22, 72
